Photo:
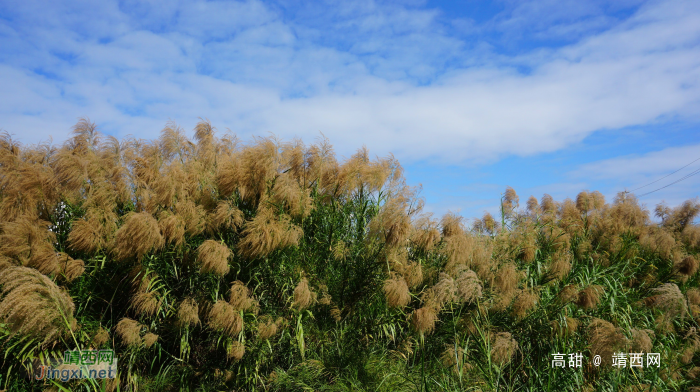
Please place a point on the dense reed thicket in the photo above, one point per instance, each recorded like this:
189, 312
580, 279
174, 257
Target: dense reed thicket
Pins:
213, 264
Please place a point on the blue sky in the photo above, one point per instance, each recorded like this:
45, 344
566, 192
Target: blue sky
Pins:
546, 96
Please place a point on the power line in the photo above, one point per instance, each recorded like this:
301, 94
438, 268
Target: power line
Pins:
675, 182
653, 182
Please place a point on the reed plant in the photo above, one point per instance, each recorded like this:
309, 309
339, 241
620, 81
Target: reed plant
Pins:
216, 264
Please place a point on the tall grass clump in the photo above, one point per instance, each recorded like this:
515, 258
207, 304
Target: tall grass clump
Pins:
212, 263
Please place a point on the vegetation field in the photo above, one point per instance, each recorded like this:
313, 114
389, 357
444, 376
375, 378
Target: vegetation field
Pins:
216, 264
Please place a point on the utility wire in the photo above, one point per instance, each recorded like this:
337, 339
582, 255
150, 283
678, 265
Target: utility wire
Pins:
653, 182
675, 182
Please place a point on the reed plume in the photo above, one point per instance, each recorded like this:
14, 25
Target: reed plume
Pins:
604, 339
412, 272
33, 305
392, 224
452, 224
510, 201
688, 266
29, 241
670, 300
507, 278
469, 287
303, 296
566, 328
503, 348
213, 257
693, 296
423, 320
459, 251
188, 313
101, 337
287, 192
267, 328
172, 227
532, 205
236, 351
453, 358
223, 317
340, 250
568, 294
584, 202
547, 204
443, 292
682, 216
589, 297
145, 303
642, 340
425, 234
150, 339
487, 224
130, 331
86, 236
239, 297
524, 302
396, 292
226, 215
70, 268
561, 265
266, 233
139, 235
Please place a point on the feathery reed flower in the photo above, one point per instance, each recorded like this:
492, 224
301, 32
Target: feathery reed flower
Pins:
561, 265
396, 291
173, 228
568, 294
130, 331
642, 340
589, 297
239, 297
70, 268
688, 266
101, 337
425, 234
524, 302
236, 351
443, 292
150, 339
507, 278
670, 300
267, 328
392, 224
423, 319
145, 303
32, 304
567, 328
468, 285
452, 224
303, 296
503, 348
86, 236
510, 201
139, 235
224, 317
214, 257
188, 313
266, 232
604, 339
532, 205
29, 241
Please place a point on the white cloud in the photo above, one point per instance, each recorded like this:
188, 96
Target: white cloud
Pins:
245, 67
